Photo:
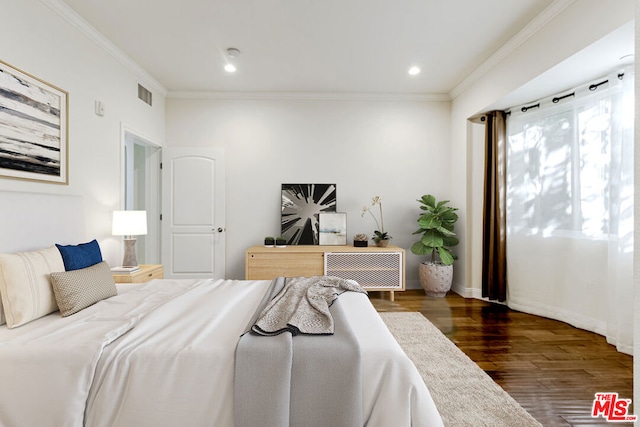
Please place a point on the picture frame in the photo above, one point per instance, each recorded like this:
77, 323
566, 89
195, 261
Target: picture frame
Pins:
301, 205
333, 228
34, 137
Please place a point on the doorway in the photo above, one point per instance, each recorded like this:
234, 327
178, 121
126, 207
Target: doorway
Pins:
141, 183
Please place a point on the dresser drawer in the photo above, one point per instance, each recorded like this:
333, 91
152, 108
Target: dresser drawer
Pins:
267, 266
147, 272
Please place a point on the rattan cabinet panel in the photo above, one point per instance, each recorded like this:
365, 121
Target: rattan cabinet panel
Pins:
373, 270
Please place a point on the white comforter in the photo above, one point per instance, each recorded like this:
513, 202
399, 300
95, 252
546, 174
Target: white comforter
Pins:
163, 355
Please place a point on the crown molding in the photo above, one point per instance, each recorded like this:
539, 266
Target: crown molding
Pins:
62, 9
309, 96
542, 19
95, 36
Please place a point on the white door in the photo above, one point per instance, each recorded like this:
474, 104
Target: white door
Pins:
193, 209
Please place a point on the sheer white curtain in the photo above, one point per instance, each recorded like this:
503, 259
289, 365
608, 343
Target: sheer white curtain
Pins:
570, 208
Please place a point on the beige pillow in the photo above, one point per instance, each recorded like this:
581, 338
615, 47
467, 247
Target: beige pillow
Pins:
25, 287
78, 289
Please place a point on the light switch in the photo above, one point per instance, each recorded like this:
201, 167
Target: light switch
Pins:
99, 108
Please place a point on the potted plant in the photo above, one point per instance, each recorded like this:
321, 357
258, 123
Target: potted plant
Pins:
360, 240
281, 242
380, 237
437, 224
269, 241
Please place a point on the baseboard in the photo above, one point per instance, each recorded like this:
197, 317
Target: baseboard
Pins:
462, 291
470, 292
456, 287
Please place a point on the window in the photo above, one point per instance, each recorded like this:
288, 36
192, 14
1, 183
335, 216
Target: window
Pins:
570, 209
570, 164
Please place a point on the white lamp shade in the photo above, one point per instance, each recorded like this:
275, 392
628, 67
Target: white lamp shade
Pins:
129, 223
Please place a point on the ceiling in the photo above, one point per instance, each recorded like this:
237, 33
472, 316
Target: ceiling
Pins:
596, 61
312, 46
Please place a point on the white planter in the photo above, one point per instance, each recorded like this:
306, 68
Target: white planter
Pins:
436, 279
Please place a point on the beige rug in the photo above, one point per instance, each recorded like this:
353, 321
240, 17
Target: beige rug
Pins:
463, 393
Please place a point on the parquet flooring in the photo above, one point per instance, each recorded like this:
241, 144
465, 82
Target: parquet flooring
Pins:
550, 368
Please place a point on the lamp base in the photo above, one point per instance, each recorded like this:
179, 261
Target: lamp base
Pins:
129, 259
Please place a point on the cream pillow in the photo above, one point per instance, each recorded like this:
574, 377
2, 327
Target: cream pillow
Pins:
25, 286
78, 289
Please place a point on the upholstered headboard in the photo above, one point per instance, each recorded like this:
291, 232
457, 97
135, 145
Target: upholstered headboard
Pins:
30, 221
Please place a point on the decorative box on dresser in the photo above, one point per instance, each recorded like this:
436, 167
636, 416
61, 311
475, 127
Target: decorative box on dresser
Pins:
147, 272
374, 268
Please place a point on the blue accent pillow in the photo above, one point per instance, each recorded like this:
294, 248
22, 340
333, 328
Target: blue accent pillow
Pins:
80, 256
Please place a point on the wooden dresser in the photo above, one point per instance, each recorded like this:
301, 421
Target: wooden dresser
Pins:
376, 269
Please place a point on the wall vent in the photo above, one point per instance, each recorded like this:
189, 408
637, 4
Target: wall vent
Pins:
144, 94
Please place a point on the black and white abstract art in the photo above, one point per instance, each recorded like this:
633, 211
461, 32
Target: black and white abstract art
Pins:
33, 128
301, 206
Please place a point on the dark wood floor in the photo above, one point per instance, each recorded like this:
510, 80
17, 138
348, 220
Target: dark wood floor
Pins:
551, 368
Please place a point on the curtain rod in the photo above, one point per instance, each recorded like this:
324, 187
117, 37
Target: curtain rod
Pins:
596, 85
527, 108
560, 98
557, 99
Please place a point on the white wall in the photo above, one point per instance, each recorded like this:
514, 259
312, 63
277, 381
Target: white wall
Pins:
394, 148
39, 41
576, 27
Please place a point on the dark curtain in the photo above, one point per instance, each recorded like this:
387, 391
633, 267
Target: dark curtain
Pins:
494, 254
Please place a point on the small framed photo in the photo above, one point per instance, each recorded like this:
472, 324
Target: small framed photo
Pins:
333, 228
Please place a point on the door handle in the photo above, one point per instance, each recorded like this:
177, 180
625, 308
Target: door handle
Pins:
219, 229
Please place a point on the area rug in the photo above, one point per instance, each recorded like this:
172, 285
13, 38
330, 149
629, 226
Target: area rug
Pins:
463, 393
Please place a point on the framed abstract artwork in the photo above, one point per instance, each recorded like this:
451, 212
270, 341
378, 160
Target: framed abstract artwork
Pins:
333, 228
33, 128
301, 207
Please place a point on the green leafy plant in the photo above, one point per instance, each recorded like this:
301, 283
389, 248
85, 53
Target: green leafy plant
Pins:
437, 228
380, 235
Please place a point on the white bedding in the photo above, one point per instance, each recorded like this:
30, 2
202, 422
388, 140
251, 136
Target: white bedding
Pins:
163, 355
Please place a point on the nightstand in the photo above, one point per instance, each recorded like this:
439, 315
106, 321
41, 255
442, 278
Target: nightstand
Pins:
147, 272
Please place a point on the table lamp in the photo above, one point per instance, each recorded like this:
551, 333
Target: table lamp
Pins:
129, 224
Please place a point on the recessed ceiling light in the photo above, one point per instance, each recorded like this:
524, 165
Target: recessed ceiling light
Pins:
414, 70
232, 53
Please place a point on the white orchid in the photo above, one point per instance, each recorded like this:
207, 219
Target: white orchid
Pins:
379, 232
366, 209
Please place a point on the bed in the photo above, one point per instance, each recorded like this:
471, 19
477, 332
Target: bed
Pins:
164, 354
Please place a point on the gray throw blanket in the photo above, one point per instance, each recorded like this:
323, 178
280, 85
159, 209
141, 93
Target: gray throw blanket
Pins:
303, 306
311, 380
